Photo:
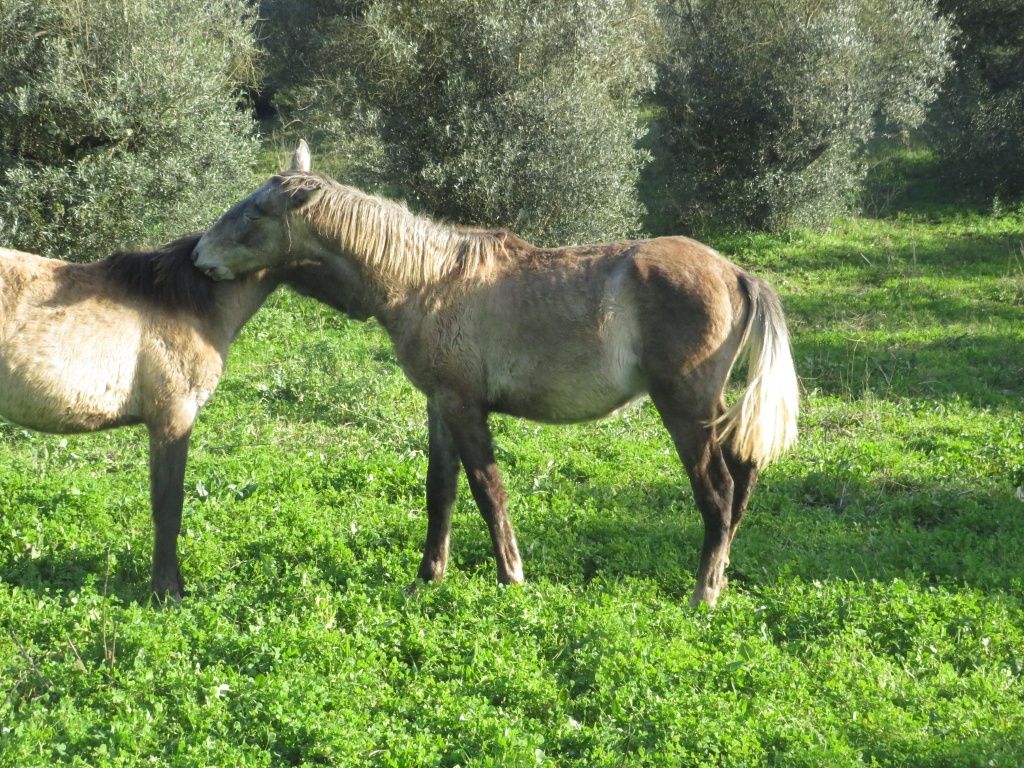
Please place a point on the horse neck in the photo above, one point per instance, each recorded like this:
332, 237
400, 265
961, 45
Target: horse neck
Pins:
238, 300
396, 251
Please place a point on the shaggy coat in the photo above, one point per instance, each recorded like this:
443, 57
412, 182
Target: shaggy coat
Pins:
482, 321
137, 338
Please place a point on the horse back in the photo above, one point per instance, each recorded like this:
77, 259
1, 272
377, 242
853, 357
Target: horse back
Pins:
585, 329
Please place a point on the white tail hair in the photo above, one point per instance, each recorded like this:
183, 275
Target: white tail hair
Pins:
761, 425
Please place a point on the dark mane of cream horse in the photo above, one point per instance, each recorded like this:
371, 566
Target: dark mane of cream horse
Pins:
135, 338
483, 321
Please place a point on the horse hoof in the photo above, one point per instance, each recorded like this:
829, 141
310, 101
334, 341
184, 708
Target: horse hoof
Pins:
169, 590
430, 571
415, 586
706, 597
511, 579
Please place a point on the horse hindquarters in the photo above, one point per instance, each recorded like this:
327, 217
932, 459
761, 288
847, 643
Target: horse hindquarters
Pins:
698, 313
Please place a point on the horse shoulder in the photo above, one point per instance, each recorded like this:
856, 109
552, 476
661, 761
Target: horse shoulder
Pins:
182, 359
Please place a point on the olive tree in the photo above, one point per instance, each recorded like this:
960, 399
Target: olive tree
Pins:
519, 113
298, 41
769, 104
979, 120
120, 120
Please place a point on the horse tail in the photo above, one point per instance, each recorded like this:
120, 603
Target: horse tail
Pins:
761, 424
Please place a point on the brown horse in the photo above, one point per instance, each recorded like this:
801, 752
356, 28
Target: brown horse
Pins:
484, 322
134, 338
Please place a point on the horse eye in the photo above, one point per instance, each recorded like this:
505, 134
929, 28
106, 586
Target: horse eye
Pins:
250, 216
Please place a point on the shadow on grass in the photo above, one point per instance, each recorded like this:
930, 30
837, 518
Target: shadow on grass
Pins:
907, 330
71, 572
902, 303
985, 369
836, 525
830, 524
818, 526
815, 527
914, 180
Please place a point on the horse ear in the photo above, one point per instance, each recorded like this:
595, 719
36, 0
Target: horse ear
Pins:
297, 198
301, 160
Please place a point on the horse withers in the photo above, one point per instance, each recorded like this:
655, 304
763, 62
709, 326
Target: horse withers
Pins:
482, 321
136, 338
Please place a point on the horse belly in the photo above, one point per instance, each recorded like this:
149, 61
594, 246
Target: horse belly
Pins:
562, 389
557, 406
70, 388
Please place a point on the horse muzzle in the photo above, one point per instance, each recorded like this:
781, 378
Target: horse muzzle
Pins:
213, 271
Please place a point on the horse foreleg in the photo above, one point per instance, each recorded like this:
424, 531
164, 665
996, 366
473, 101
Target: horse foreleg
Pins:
167, 458
468, 426
442, 483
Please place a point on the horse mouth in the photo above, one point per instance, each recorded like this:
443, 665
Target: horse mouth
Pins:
212, 271
217, 273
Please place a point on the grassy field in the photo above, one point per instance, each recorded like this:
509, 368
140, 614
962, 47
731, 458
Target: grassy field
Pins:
875, 614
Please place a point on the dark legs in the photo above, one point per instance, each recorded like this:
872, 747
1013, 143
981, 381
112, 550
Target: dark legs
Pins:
722, 484
744, 478
721, 487
167, 458
442, 483
464, 433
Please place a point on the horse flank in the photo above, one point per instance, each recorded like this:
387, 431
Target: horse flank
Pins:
394, 243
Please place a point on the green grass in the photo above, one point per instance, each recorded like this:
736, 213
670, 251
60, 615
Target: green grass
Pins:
875, 615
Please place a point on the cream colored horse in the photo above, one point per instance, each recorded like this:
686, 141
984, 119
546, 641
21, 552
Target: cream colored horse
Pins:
484, 322
135, 338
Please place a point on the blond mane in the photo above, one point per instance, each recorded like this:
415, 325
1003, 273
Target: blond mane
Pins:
395, 244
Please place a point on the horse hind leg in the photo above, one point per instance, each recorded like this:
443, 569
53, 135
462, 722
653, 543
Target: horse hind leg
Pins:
744, 476
713, 488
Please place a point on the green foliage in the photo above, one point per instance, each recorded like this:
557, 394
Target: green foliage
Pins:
518, 113
769, 105
979, 121
295, 38
875, 614
120, 120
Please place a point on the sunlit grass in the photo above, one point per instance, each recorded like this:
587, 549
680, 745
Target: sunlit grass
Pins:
875, 614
